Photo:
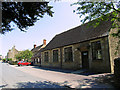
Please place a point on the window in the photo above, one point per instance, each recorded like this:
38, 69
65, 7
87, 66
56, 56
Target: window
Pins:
38, 60
96, 50
34, 60
68, 54
46, 56
55, 55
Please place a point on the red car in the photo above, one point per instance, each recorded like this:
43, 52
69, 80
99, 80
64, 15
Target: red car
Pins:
20, 63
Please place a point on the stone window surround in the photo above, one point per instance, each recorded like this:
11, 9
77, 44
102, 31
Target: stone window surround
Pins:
48, 56
101, 48
72, 52
58, 54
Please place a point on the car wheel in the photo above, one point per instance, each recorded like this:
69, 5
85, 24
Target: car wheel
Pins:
28, 65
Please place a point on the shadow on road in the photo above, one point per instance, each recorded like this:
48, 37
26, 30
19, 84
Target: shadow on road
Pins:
2, 86
78, 72
97, 82
38, 84
52, 69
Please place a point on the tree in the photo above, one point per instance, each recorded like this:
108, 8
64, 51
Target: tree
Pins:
97, 10
100, 11
26, 55
23, 14
19, 56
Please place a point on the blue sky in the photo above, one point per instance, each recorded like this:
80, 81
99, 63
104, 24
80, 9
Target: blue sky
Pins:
46, 28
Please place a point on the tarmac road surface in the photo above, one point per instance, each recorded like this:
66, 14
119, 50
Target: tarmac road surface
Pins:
11, 77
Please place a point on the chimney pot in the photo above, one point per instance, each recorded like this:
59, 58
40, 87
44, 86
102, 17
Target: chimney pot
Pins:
35, 45
44, 41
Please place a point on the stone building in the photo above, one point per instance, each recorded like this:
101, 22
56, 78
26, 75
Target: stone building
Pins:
11, 53
1, 57
36, 58
82, 48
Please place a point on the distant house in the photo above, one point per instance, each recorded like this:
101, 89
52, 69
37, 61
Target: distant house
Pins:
1, 57
36, 58
11, 53
82, 47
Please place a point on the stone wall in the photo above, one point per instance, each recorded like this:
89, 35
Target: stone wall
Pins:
62, 64
112, 45
76, 58
11, 53
50, 63
104, 64
95, 65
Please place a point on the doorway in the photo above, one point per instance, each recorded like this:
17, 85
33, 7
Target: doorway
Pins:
85, 61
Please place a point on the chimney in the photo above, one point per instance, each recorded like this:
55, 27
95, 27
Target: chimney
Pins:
34, 45
44, 41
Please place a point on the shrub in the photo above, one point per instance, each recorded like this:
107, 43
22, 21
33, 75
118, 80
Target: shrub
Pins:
13, 62
4, 60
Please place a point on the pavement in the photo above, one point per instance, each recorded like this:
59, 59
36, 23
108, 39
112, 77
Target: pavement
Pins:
68, 78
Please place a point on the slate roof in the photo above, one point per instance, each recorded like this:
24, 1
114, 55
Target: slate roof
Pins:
36, 51
79, 34
37, 48
38, 54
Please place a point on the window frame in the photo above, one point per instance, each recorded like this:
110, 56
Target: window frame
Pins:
55, 56
94, 50
68, 54
47, 56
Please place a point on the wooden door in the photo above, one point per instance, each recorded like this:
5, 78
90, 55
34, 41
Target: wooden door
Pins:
85, 61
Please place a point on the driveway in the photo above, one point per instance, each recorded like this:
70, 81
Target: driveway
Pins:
63, 78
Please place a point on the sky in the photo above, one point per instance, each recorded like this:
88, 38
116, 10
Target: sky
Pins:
46, 28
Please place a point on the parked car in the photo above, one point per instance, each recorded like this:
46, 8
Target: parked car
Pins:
21, 63
31, 63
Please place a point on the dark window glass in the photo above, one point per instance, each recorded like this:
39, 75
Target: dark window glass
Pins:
37, 60
46, 56
96, 50
34, 60
68, 54
55, 55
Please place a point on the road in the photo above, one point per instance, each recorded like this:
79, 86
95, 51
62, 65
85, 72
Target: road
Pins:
13, 76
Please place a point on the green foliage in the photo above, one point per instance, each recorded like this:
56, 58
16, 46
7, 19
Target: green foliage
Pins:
98, 12
26, 55
9, 59
4, 59
19, 56
23, 14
